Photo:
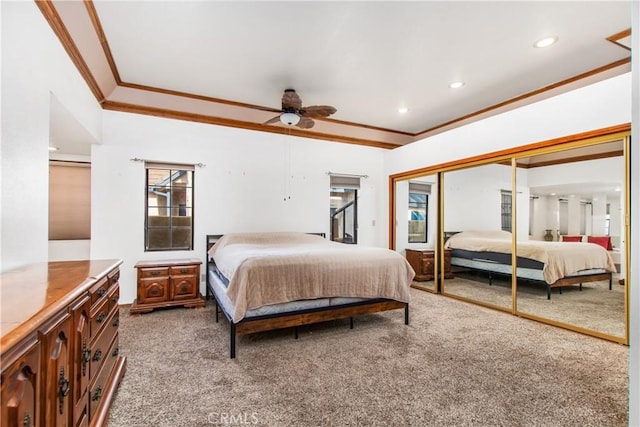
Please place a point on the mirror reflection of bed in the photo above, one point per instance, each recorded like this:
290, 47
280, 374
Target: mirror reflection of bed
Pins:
478, 198
580, 194
576, 192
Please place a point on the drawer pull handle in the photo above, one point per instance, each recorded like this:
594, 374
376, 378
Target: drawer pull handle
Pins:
86, 356
115, 352
101, 317
184, 270
97, 394
114, 299
101, 292
26, 421
97, 356
183, 289
116, 322
153, 292
63, 390
155, 273
115, 277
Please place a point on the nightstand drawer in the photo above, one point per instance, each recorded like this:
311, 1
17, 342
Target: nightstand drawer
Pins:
154, 272
184, 269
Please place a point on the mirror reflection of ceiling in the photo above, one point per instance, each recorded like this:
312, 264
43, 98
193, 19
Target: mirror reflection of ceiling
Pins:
584, 190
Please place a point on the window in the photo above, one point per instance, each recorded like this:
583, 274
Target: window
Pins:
505, 210
344, 208
418, 211
169, 207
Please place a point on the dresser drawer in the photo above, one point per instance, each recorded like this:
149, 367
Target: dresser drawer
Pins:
98, 388
153, 272
114, 277
99, 290
98, 317
113, 296
100, 346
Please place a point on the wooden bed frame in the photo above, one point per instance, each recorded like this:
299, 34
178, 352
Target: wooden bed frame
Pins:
565, 281
297, 318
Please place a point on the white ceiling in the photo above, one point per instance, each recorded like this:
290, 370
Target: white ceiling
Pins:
365, 58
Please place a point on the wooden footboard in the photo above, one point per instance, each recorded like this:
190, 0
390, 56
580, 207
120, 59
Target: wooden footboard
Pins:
579, 280
304, 317
565, 281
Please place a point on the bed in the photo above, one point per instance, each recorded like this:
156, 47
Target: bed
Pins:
266, 281
555, 264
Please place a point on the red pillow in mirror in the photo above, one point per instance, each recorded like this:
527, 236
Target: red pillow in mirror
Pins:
604, 241
572, 238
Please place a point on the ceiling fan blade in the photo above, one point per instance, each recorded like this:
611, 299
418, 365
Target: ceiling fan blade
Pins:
291, 100
273, 120
318, 111
305, 123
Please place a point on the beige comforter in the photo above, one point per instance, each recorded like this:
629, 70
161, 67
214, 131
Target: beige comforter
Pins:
272, 268
560, 258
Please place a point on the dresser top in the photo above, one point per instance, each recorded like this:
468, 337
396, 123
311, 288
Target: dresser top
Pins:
32, 293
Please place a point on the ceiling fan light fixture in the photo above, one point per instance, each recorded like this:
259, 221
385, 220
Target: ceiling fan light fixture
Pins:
456, 85
290, 119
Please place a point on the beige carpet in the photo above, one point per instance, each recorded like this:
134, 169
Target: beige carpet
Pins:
456, 364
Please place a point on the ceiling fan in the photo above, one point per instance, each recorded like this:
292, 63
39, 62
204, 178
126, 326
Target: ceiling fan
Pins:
294, 114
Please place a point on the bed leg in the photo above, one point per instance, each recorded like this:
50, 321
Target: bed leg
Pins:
232, 340
295, 332
610, 282
217, 311
580, 287
406, 314
490, 280
350, 322
548, 292
560, 290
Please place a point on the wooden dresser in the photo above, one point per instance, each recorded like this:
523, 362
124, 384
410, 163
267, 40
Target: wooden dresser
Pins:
61, 364
167, 283
423, 263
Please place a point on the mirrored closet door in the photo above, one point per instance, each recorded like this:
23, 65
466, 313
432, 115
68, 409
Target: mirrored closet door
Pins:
477, 225
575, 200
416, 212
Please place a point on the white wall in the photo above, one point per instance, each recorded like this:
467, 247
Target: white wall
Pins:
34, 66
252, 181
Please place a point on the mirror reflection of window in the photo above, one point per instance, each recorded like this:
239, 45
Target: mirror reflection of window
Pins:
418, 209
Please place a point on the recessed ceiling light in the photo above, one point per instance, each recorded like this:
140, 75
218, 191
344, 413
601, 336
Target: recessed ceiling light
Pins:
546, 42
52, 148
456, 85
403, 110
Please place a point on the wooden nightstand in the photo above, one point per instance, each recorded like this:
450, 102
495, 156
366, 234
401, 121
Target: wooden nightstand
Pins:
423, 263
168, 283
